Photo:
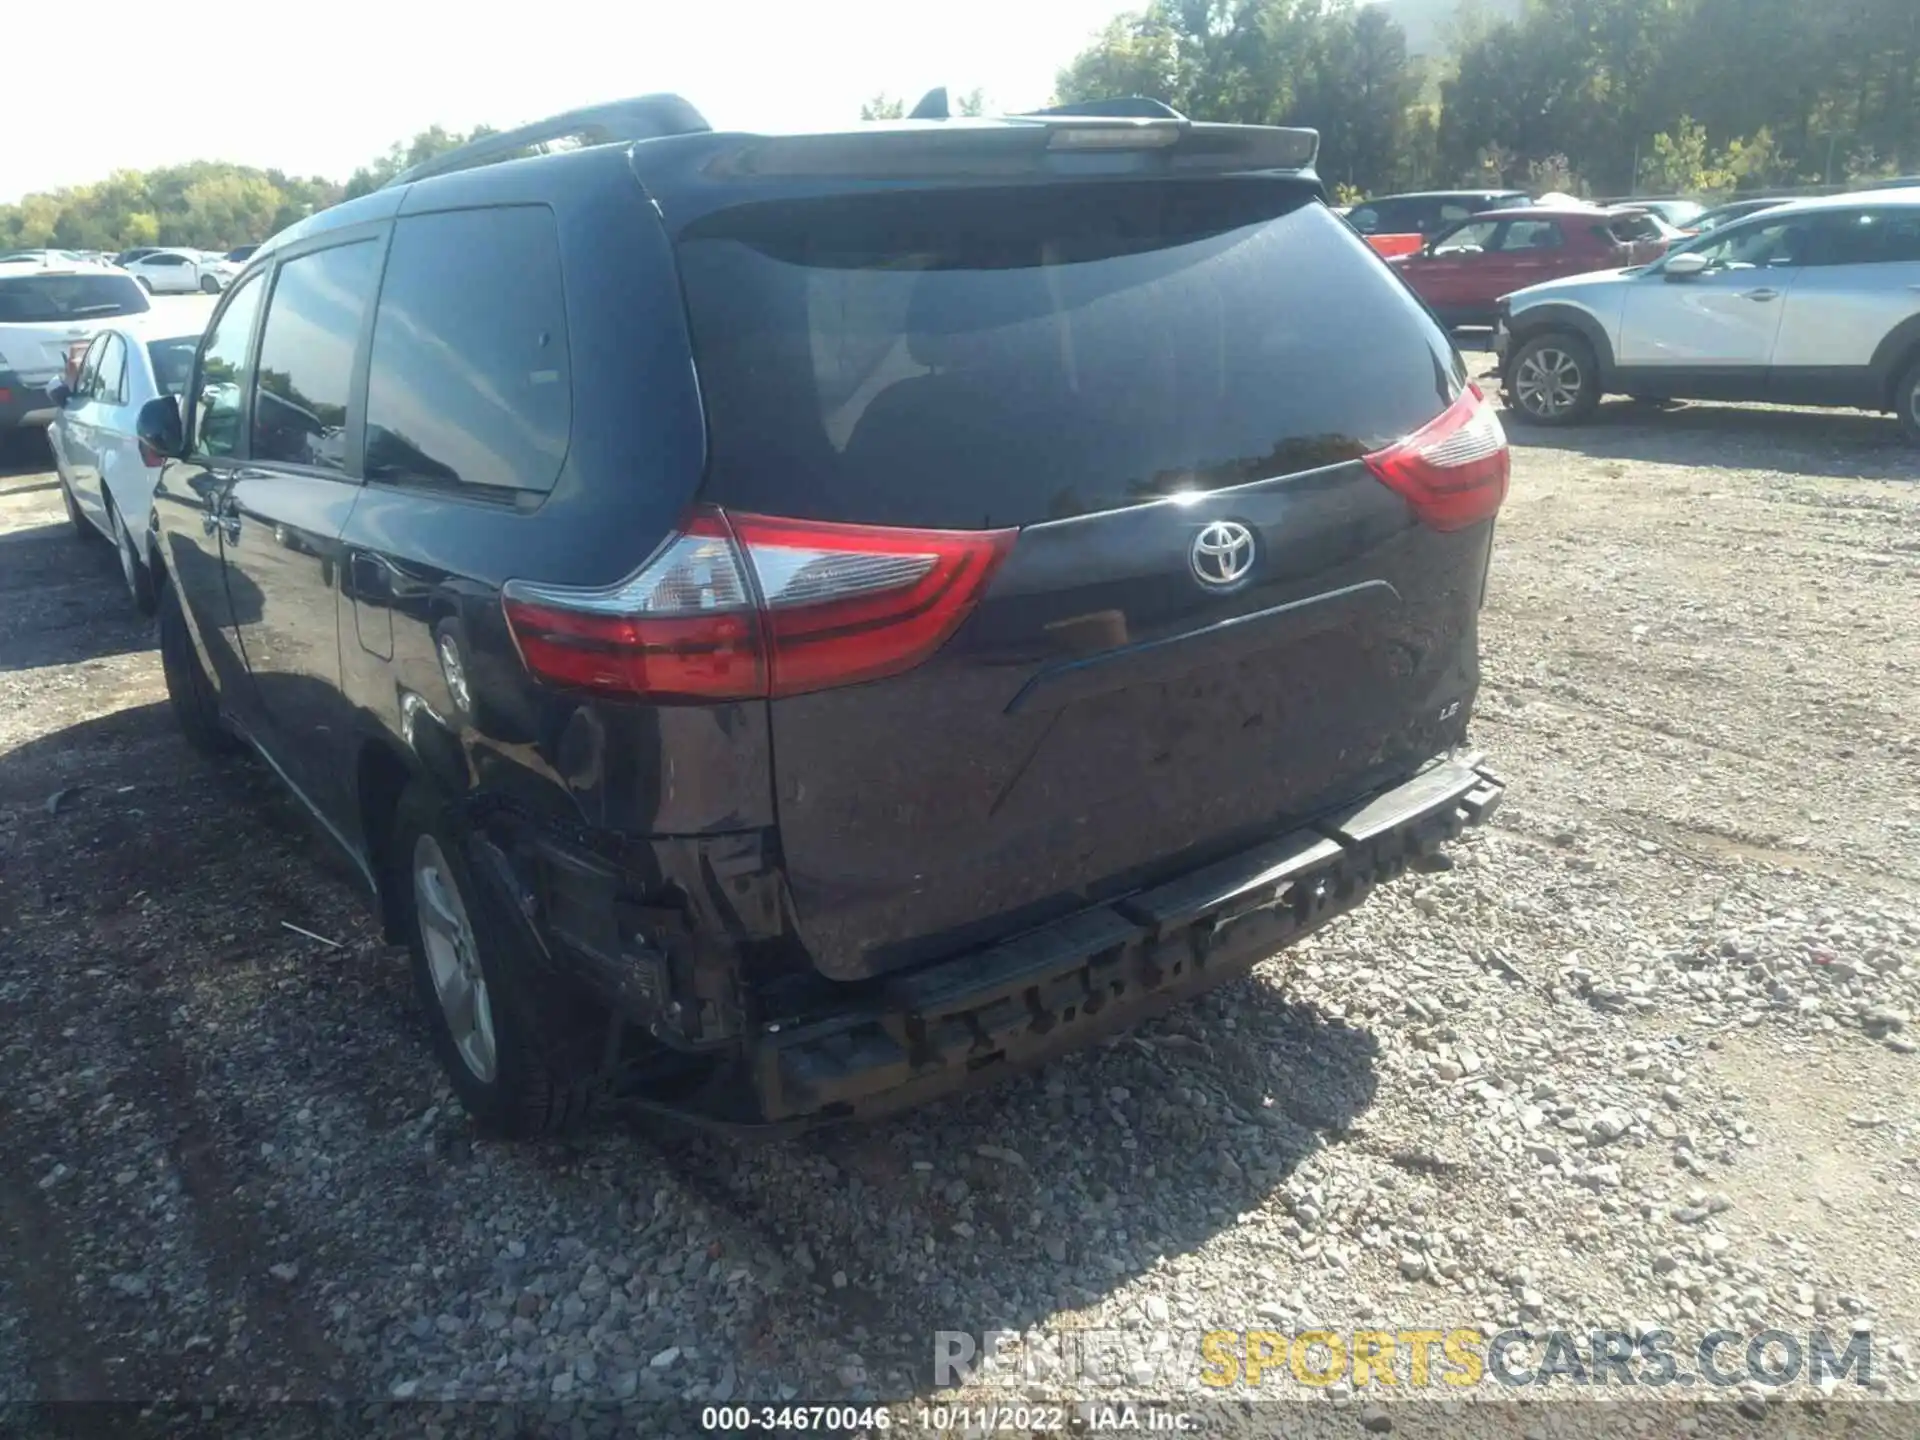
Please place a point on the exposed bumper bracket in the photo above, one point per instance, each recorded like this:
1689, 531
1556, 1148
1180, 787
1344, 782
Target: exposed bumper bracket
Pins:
1105, 968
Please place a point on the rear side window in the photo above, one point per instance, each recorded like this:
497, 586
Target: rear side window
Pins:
306, 355
991, 358
470, 383
50, 299
1869, 237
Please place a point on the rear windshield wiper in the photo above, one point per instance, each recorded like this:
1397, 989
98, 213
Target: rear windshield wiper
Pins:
111, 307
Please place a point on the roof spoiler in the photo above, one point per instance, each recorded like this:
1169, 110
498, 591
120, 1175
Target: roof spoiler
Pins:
645, 117
1030, 145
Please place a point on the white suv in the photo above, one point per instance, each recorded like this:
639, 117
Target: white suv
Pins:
1814, 302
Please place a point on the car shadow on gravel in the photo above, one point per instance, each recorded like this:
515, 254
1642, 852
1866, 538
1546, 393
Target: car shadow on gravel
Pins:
1819, 444
64, 601
1024, 1204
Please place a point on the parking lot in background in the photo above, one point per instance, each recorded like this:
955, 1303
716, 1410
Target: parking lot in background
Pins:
1644, 1054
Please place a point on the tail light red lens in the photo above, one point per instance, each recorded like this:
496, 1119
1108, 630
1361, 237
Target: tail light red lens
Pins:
749, 606
1453, 471
845, 603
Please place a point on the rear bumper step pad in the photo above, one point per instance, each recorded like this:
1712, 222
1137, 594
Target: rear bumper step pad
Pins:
1106, 968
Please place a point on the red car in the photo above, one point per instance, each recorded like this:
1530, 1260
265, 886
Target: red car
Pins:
1463, 271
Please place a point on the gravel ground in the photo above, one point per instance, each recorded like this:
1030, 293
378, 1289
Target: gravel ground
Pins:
1641, 1058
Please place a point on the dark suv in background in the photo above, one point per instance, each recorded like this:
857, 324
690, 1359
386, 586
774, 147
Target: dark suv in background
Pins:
788, 626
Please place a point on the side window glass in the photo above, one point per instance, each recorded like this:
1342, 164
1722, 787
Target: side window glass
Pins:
1531, 235
1758, 246
110, 386
223, 360
1468, 239
1869, 237
1366, 220
470, 384
306, 355
86, 379
1902, 243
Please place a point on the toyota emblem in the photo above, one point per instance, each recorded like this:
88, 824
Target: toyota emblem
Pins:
1222, 554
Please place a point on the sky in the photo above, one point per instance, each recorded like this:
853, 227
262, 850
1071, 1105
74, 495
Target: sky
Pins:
320, 88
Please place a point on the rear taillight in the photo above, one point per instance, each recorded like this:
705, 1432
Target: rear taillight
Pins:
746, 606
1453, 471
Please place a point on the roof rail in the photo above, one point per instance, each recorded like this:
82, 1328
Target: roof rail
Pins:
1118, 107
644, 117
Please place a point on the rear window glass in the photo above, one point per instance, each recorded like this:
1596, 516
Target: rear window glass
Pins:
173, 363
50, 299
991, 358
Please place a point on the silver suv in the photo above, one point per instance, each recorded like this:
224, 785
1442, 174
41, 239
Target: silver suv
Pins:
1814, 302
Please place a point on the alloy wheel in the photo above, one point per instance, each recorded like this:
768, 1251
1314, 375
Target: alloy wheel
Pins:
453, 961
1548, 382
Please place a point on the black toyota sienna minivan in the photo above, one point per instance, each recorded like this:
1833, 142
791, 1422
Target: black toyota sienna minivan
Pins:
787, 626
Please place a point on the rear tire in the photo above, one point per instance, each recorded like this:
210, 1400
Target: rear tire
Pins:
1906, 402
523, 1057
196, 707
209, 285
1553, 379
133, 569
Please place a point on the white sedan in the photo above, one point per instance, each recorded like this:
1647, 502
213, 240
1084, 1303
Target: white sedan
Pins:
106, 478
180, 272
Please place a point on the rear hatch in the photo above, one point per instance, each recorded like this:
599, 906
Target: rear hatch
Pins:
1183, 577
47, 315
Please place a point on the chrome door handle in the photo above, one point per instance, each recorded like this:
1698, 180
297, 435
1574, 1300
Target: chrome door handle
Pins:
1761, 295
222, 516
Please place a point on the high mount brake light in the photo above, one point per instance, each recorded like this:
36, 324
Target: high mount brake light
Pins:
1453, 471
736, 607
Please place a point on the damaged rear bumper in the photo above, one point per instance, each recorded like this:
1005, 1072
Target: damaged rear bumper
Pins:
982, 1015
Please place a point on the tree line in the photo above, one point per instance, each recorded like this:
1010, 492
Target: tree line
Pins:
204, 205
1595, 96
1589, 96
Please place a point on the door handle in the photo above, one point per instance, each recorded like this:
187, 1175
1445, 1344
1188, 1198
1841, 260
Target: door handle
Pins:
222, 516
1761, 295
